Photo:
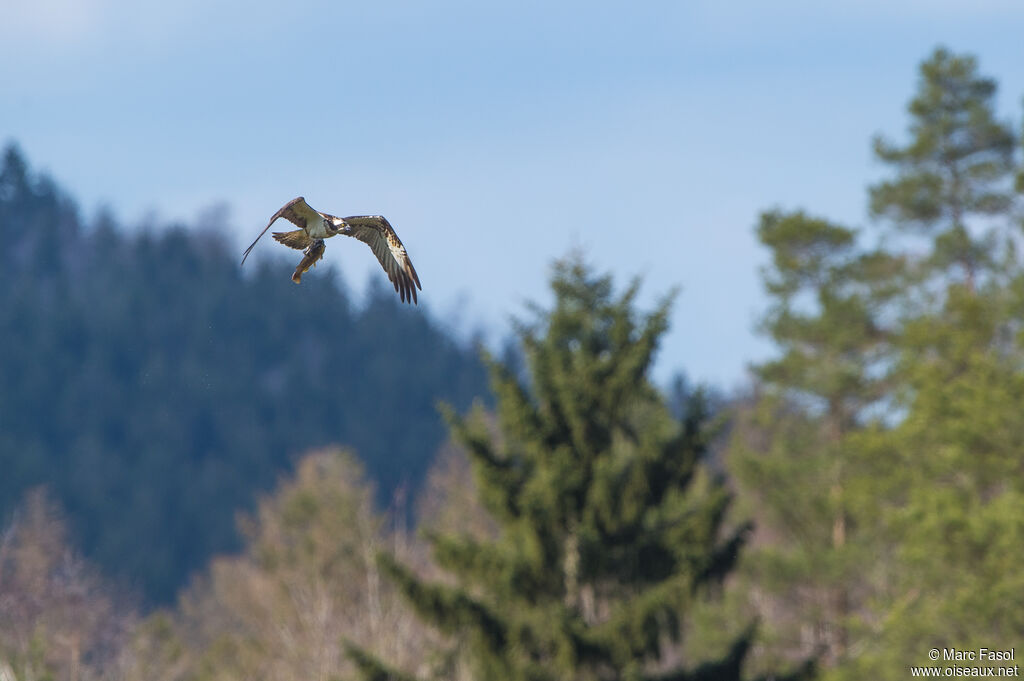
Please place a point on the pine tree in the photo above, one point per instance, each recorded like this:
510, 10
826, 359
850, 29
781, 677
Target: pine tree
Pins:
882, 452
948, 496
948, 493
793, 448
958, 165
609, 526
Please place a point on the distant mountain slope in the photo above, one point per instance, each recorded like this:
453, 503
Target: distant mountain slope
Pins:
157, 389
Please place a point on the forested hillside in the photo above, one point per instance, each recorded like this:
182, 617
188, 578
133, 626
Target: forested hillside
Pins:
155, 387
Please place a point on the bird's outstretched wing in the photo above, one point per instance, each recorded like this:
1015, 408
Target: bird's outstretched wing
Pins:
377, 233
297, 239
296, 211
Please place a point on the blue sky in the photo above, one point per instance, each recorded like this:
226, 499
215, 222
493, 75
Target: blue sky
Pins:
495, 136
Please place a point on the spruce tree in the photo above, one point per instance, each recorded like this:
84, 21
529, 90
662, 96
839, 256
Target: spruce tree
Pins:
609, 527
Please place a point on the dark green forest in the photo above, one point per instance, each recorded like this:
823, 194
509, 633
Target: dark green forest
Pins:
856, 511
156, 388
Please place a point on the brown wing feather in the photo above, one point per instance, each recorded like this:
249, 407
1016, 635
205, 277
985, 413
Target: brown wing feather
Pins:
376, 232
297, 239
296, 211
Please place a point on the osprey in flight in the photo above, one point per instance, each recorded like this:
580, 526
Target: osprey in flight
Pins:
373, 230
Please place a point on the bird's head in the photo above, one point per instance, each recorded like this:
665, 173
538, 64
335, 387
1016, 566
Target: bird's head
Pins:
340, 225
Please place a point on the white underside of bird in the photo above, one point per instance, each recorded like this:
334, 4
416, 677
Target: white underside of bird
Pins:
322, 229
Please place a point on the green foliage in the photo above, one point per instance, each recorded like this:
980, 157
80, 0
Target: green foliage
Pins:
958, 164
792, 448
881, 450
608, 527
952, 466
157, 388
826, 298
948, 497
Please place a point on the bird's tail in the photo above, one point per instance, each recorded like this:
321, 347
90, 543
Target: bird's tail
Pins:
313, 253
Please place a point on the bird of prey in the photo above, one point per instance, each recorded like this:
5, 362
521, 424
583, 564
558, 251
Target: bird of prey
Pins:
373, 230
